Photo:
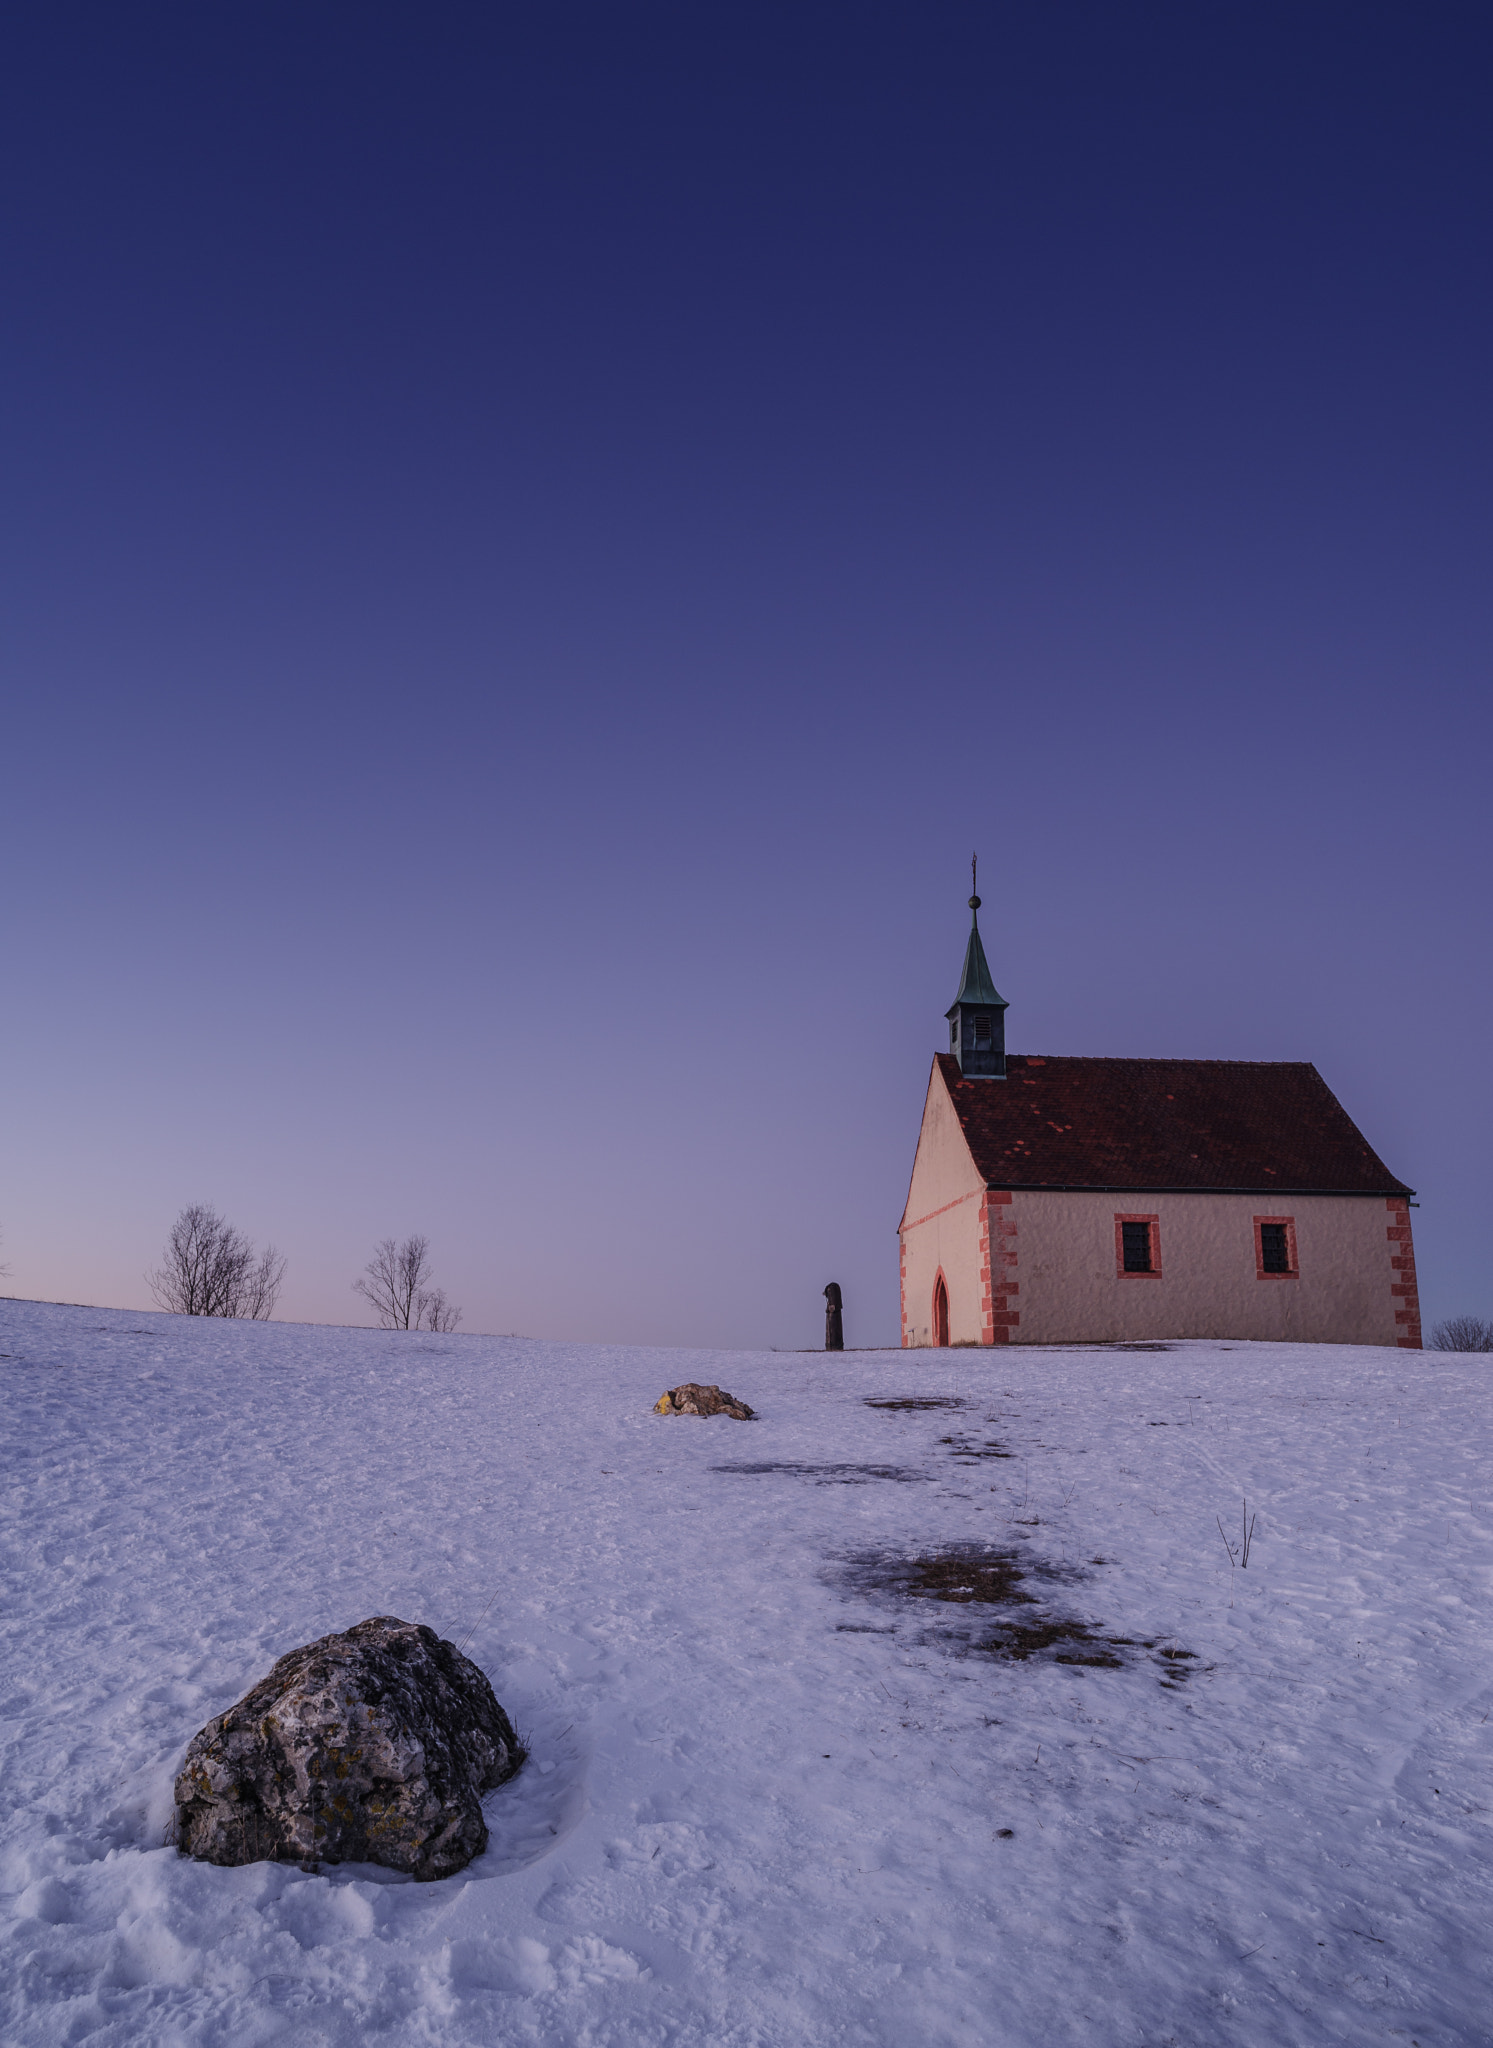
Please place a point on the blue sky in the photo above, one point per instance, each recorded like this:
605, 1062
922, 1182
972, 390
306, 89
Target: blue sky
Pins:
537, 541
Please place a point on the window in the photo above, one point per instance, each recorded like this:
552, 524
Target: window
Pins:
1275, 1247
982, 1034
1138, 1246
940, 1312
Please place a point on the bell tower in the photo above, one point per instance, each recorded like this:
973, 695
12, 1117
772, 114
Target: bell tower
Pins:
977, 1016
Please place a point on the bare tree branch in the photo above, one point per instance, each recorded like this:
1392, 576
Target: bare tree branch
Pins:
395, 1282
378, 1283
435, 1312
392, 1280
262, 1285
1462, 1333
209, 1269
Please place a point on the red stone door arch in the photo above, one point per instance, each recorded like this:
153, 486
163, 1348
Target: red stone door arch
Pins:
940, 1311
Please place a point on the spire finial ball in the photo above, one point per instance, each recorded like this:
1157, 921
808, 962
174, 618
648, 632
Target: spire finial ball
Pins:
974, 902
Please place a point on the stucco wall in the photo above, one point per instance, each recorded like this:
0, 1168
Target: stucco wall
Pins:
941, 1228
1209, 1284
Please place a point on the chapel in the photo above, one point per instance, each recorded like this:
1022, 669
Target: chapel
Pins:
1083, 1201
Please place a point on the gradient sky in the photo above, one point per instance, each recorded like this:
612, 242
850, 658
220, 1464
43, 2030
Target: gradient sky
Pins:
537, 540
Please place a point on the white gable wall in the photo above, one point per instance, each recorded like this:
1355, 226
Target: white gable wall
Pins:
942, 1227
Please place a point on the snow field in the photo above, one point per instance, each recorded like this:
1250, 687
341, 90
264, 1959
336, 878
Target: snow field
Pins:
762, 1807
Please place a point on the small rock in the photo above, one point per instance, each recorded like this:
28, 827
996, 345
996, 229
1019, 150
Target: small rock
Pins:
374, 1746
694, 1400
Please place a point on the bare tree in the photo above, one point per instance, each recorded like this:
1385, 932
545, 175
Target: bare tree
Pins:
210, 1269
1462, 1333
396, 1282
262, 1285
436, 1312
392, 1279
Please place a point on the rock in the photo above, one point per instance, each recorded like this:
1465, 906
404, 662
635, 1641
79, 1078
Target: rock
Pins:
374, 1746
693, 1400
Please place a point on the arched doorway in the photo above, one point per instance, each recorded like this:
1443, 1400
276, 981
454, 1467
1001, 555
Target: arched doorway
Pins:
940, 1312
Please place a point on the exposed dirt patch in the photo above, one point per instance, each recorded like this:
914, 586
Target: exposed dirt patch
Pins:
827, 1475
969, 1450
1176, 1668
981, 1579
963, 1578
915, 1402
1071, 1642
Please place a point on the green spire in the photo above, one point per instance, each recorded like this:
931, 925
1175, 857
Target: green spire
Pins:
977, 985
977, 1015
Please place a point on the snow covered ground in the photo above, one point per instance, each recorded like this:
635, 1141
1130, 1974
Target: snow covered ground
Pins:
766, 1803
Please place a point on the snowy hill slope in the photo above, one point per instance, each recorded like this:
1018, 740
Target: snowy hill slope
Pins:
776, 1795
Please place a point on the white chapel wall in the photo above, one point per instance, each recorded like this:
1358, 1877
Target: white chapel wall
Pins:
1209, 1285
941, 1227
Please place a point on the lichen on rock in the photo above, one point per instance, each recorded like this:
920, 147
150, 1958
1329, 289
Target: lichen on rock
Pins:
692, 1399
373, 1746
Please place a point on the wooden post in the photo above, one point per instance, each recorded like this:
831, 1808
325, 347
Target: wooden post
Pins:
834, 1323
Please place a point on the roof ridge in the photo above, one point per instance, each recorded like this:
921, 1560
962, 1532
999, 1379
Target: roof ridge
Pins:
1150, 1059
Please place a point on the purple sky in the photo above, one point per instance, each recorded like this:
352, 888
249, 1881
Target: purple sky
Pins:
537, 540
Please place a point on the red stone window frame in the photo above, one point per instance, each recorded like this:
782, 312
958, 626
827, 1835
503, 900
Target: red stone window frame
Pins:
1133, 1216
1290, 1223
940, 1337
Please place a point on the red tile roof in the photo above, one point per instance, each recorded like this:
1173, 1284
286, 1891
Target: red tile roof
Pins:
1241, 1126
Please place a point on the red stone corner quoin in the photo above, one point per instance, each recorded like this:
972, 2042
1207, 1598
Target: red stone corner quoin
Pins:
999, 1287
1027, 1169
1404, 1288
